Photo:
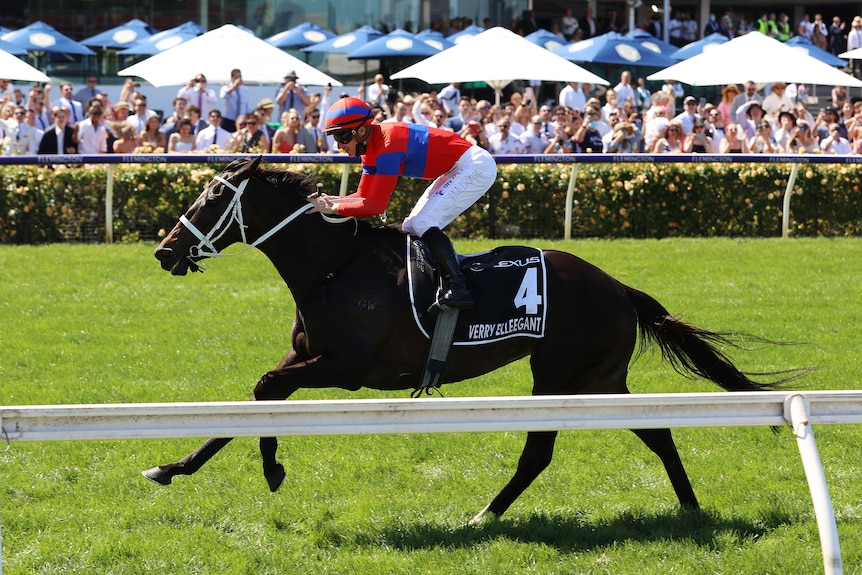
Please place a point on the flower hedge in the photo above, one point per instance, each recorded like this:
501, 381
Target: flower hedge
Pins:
41, 204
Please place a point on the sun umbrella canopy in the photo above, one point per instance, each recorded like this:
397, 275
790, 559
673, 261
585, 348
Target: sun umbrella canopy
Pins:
13, 68
497, 57
346, 43
694, 48
650, 42
545, 39
40, 37
121, 37
305, 34
435, 38
216, 53
467, 33
613, 48
852, 54
158, 43
806, 46
758, 58
398, 43
13, 49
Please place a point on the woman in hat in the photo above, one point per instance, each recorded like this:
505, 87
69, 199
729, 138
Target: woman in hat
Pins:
461, 172
777, 101
728, 93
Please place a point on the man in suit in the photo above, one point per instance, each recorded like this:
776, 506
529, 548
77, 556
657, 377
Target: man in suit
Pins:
59, 138
66, 100
588, 25
749, 93
214, 134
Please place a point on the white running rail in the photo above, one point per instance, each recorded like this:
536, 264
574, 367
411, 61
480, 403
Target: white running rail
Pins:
447, 415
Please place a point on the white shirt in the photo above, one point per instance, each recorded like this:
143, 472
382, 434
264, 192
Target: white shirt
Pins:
624, 92
838, 146
573, 97
510, 145
204, 99
23, 140
212, 136
92, 139
534, 142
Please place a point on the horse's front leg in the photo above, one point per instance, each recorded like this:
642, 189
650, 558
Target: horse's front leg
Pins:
280, 384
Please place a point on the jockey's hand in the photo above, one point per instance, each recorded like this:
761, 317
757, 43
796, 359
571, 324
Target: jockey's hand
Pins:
323, 204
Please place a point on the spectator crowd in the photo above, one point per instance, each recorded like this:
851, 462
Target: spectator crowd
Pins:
626, 118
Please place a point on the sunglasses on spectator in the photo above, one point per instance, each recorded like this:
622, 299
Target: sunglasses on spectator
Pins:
251, 123
315, 116
343, 136
241, 124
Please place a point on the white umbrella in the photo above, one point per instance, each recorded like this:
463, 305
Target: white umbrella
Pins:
754, 57
497, 57
852, 54
13, 68
216, 53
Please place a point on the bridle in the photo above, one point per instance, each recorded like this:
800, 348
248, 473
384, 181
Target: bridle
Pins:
232, 213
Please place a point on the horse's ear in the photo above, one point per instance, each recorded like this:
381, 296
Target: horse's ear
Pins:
243, 166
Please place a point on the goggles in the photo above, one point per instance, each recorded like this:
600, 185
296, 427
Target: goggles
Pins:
343, 136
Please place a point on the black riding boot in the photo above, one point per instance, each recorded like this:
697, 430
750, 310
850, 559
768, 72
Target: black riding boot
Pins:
453, 292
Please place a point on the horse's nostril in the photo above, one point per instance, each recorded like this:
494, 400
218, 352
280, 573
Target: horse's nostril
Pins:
163, 254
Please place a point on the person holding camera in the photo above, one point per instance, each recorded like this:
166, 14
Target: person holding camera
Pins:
197, 94
291, 96
234, 94
624, 138
698, 141
835, 143
804, 140
763, 141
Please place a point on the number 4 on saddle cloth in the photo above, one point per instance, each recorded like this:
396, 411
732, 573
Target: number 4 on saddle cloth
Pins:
508, 284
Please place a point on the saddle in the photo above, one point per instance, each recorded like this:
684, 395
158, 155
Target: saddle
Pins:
508, 284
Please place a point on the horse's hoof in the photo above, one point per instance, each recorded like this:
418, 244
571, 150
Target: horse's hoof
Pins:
157, 475
482, 517
275, 477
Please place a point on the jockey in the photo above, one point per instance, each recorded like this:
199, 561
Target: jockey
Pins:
462, 173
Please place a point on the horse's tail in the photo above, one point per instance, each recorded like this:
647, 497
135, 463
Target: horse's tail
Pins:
694, 352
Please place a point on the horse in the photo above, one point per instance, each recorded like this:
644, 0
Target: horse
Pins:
354, 324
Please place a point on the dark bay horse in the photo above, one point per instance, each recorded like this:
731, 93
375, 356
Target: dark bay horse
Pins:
353, 326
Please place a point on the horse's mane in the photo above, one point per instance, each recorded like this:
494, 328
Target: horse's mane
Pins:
304, 184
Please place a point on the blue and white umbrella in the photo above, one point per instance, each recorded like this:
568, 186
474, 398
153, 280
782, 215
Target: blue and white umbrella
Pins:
158, 43
346, 43
545, 39
42, 38
466, 34
13, 49
397, 44
695, 48
306, 34
435, 38
121, 37
650, 42
805, 45
613, 48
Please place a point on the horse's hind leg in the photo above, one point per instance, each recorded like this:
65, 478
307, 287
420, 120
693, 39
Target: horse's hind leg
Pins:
163, 474
661, 443
536, 456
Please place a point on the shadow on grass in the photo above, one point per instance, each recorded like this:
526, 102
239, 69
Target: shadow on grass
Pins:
571, 534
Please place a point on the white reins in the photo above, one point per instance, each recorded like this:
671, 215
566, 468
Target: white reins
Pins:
233, 212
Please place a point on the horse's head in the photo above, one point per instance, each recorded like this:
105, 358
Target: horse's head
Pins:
213, 222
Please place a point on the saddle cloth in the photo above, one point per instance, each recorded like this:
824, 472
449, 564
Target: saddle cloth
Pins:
508, 284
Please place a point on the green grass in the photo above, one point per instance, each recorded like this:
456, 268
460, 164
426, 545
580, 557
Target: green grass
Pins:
103, 324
